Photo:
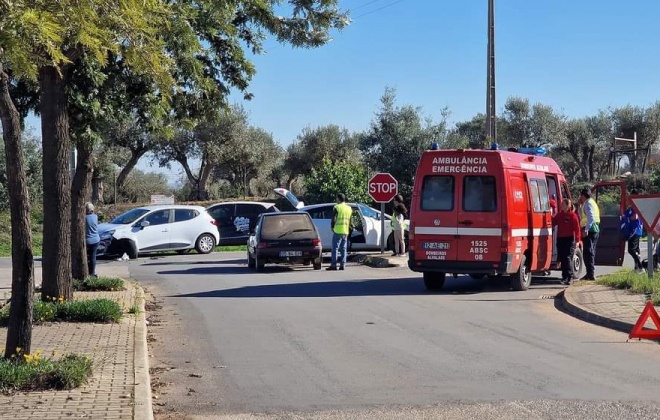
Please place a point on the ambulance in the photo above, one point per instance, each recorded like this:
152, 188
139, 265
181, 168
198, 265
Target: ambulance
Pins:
488, 213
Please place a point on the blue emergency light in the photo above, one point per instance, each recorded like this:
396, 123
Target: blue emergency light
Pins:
540, 151
435, 145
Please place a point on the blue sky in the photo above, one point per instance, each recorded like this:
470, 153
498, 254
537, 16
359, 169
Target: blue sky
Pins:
577, 55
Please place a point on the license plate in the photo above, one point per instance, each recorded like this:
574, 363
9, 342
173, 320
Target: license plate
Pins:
290, 253
435, 245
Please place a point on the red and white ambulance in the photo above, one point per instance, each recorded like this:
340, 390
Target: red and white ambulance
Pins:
487, 212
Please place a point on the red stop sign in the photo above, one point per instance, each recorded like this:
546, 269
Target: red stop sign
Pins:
383, 187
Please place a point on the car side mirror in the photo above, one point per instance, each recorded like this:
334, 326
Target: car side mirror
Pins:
144, 224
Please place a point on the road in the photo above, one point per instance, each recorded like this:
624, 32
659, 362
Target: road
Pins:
372, 343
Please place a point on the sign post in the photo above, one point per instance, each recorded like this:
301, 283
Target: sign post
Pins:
647, 208
383, 188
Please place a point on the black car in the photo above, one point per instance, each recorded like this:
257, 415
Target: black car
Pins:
284, 238
235, 219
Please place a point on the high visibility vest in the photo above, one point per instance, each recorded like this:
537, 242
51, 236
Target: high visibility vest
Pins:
583, 213
343, 221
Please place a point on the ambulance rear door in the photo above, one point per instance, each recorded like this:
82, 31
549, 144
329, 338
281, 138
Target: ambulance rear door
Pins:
479, 218
435, 222
540, 243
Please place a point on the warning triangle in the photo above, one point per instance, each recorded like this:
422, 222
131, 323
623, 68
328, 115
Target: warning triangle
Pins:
638, 330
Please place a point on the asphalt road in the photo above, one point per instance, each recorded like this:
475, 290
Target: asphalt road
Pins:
373, 343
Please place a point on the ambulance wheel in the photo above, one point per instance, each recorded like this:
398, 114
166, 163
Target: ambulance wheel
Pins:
578, 263
522, 279
434, 281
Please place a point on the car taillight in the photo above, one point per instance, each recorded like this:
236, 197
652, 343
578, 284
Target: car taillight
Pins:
316, 242
262, 245
214, 222
411, 236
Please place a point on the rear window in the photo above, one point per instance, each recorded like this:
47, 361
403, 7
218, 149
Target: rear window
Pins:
181, 215
288, 225
539, 193
479, 194
438, 193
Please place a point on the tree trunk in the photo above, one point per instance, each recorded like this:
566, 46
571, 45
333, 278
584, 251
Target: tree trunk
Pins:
56, 260
79, 193
126, 170
19, 332
97, 190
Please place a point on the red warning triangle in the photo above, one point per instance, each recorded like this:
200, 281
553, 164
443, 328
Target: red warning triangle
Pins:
638, 330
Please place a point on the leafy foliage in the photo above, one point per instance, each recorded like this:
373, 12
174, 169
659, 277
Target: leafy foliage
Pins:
88, 310
90, 284
25, 372
331, 178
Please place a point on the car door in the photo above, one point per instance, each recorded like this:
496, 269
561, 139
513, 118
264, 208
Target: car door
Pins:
322, 218
224, 217
156, 235
184, 230
367, 230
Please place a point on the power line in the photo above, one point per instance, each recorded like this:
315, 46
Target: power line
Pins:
379, 9
365, 4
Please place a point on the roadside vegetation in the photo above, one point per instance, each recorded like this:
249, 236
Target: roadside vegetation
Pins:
99, 284
57, 309
32, 372
634, 283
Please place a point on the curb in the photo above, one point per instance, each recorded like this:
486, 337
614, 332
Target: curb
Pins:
142, 408
573, 308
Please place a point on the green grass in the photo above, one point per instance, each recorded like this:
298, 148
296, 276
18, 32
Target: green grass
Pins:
135, 309
88, 310
5, 233
231, 248
635, 283
36, 373
95, 284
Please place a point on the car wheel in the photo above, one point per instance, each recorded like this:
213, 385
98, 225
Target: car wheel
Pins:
522, 279
578, 263
205, 243
258, 265
130, 249
318, 264
251, 262
434, 281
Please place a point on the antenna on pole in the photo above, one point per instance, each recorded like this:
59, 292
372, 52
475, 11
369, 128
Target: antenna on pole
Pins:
491, 128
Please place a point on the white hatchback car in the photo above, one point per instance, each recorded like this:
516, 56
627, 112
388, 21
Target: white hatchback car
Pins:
159, 228
366, 232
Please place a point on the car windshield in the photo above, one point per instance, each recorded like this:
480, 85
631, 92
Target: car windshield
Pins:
297, 226
129, 217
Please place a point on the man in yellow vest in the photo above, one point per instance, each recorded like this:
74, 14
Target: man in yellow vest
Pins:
590, 228
341, 228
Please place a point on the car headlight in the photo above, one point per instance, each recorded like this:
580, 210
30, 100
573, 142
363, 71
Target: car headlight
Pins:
107, 234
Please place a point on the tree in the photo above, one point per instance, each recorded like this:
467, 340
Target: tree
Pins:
397, 138
313, 145
19, 332
331, 178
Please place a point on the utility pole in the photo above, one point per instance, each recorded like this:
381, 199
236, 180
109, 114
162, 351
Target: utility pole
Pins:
491, 128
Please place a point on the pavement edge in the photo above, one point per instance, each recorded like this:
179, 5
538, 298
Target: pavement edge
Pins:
142, 408
572, 307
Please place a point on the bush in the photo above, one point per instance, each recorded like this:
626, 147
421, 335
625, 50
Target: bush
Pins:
92, 310
90, 284
33, 373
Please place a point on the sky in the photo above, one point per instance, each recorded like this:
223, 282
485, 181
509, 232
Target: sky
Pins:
579, 56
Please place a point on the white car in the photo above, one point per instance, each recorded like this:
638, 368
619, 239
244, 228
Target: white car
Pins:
159, 228
366, 222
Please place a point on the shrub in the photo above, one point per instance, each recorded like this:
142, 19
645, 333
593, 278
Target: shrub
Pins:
90, 284
32, 372
93, 310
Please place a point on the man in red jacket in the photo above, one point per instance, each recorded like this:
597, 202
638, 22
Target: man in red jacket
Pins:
568, 237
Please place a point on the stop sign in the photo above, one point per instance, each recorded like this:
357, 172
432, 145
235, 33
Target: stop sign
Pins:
383, 187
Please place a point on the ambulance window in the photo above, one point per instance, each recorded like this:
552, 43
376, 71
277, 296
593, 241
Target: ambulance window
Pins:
438, 193
565, 192
479, 193
552, 186
539, 192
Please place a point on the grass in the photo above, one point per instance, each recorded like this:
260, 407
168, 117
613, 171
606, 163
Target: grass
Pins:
635, 283
231, 248
26, 372
5, 233
134, 310
95, 284
89, 310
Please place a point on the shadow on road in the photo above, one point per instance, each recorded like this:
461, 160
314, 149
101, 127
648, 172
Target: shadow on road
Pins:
178, 262
340, 288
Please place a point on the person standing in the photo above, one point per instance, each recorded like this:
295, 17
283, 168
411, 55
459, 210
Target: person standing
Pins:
92, 237
590, 229
633, 230
568, 237
341, 227
398, 229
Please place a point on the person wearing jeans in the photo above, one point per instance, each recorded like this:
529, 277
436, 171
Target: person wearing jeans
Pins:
92, 237
634, 231
341, 227
590, 228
